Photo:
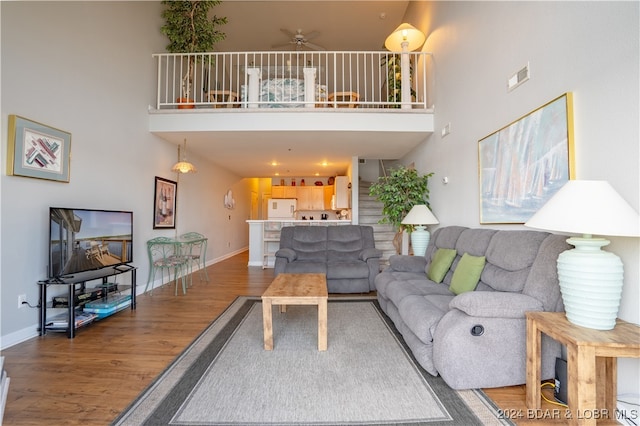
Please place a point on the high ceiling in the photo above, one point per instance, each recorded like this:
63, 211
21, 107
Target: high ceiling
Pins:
341, 25
333, 25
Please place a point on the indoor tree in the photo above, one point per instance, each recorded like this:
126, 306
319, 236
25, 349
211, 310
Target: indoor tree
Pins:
190, 30
402, 189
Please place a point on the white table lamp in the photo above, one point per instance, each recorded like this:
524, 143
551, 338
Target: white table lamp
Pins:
590, 278
419, 216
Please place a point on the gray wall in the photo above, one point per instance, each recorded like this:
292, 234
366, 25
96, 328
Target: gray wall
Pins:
86, 68
588, 48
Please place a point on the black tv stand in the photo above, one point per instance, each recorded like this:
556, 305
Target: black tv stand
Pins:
80, 279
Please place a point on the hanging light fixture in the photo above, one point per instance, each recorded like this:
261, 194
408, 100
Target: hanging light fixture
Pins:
183, 166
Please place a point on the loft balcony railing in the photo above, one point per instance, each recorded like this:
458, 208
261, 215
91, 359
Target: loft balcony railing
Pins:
290, 80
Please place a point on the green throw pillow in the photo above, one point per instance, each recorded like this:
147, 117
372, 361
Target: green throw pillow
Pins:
440, 264
467, 274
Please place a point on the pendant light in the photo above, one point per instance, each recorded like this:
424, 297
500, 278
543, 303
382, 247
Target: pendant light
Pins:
183, 166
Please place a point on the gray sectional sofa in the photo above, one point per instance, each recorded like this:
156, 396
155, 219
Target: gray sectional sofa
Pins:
345, 253
474, 337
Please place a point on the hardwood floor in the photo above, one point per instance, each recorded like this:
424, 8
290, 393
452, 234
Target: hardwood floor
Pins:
89, 380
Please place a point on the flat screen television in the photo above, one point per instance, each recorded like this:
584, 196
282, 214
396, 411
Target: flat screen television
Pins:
85, 239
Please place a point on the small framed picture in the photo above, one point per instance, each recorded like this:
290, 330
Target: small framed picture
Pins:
37, 151
164, 203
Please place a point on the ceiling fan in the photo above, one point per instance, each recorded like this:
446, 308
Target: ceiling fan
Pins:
299, 40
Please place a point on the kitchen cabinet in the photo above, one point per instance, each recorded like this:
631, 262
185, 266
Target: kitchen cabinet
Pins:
282, 191
342, 192
310, 197
328, 195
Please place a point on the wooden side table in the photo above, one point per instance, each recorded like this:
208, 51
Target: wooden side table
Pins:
592, 364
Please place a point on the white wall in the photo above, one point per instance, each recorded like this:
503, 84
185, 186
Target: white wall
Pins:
86, 68
588, 48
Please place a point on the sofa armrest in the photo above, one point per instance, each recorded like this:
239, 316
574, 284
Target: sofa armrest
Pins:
405, 263
287, 253
369, 253
495, 304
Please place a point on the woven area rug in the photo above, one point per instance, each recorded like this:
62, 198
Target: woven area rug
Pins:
366, 376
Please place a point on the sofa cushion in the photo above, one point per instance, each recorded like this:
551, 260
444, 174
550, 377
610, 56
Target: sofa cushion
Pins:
440, 264
306, 267
310, 243
509, 258
421, 314
347, 269
467, 274
398, 290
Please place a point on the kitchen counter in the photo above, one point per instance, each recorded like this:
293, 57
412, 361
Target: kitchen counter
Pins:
264, 237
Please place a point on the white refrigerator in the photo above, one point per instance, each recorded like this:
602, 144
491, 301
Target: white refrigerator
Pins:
282, 208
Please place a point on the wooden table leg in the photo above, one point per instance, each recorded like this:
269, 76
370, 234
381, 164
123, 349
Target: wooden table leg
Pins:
607, 386
267, 324
322, 324
534, 338
582, 389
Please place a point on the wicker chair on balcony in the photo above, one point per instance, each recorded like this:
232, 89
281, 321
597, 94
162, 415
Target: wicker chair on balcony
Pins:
344, 99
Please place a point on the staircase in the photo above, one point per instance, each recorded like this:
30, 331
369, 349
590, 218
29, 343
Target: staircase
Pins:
370, 213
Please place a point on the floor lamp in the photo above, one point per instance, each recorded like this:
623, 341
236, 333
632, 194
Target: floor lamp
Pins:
590, 279
405, 38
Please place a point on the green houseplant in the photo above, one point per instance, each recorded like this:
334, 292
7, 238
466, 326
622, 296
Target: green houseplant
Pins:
402, 189
190, 30
391, 63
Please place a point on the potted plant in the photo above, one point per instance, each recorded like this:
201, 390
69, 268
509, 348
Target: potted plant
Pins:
402, 189
190, 30
391, 63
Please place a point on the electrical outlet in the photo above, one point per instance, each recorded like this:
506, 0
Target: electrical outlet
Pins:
22, 300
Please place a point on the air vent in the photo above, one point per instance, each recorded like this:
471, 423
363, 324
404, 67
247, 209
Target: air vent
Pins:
518, 78
362, 160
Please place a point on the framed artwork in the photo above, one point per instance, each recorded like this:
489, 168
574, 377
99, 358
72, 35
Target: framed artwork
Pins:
37, 151
523, 164
164, 203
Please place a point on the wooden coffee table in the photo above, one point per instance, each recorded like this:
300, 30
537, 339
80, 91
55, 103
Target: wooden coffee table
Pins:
296, 289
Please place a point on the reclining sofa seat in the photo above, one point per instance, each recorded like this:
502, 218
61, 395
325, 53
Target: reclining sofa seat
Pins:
438, 326
345, 253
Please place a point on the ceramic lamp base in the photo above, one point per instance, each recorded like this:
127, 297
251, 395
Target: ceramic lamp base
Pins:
591, 283
420, 240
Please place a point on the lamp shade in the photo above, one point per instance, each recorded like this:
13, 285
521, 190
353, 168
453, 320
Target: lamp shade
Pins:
183, 166
590, 279
420, 215
589, 207
405, 33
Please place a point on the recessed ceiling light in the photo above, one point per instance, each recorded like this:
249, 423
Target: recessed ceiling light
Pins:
325, 164
273, 163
